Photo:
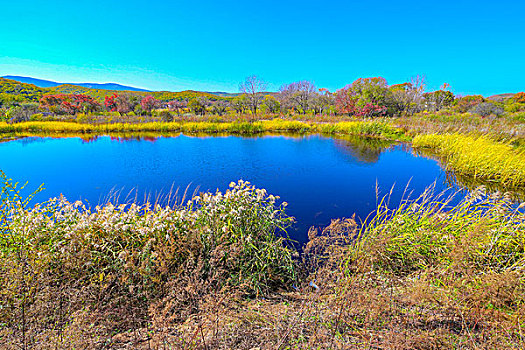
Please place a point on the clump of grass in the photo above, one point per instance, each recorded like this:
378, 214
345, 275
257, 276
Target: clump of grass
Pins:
118, 263
425, 274
477, 156
453, 268
277, 124
52, 127
363, 128
429, 233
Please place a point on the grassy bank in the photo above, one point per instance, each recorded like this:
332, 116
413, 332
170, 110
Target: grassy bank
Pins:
211, 274
477, 156
498, 128
361, 128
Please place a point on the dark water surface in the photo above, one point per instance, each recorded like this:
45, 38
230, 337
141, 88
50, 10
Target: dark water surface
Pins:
321, 178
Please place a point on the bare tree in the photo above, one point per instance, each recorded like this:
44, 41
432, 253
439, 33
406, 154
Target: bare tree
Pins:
220, 107
409, 96
253, 87
297, 95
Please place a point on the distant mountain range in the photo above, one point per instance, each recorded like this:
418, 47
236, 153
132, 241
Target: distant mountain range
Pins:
223, 94
48, 83
68, 87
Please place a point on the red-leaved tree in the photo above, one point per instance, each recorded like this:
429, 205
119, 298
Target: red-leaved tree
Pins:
69, 103
111, 102
149, 103
365, 97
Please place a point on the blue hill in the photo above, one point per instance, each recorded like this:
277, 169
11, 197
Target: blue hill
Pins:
48, 83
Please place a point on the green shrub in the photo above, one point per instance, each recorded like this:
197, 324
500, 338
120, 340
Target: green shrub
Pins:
165, 116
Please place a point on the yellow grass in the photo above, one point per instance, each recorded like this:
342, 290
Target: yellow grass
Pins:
362, 128
478, 156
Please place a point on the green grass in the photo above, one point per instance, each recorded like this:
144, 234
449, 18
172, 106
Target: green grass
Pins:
428, 233
477, 156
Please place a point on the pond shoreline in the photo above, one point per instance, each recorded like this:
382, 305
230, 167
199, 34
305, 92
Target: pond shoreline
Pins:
367, 128
358, 128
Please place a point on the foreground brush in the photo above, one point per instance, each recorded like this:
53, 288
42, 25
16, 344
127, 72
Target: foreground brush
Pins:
218, 273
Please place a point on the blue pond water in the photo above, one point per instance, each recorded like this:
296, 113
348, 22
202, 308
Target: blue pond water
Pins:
321, 178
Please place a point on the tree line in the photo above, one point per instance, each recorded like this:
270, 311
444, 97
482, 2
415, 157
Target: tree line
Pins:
365, 97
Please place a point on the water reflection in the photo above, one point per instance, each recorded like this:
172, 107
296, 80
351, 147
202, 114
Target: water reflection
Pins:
462, 181
363, 150
469, 182
127, 138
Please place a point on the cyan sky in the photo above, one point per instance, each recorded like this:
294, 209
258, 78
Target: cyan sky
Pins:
476, 46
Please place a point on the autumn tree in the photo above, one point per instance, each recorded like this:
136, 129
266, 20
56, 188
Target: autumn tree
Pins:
148, 103
519, 97
439, 99
198, 105
322, 101
177, 106
86, 104
110, 102
52, 103
126, 103
271, 104
366, 97
409, 96
465, 103
253, 87
240, 103
69, 104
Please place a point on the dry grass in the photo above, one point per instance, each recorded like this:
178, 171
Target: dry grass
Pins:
499, 128
423, 275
